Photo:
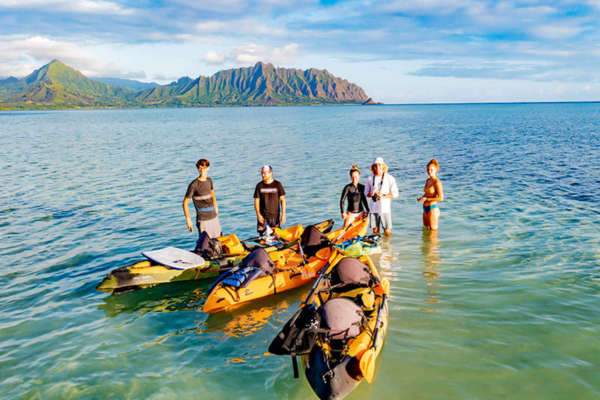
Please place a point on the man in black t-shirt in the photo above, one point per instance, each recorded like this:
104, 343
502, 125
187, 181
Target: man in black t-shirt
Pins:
267, 196
202, 193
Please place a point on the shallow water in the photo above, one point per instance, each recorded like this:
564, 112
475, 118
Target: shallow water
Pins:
503, 302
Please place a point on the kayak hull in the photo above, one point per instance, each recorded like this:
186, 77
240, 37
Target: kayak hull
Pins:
345, 375
146, 274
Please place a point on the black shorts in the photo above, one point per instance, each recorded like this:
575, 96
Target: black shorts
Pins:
272, 222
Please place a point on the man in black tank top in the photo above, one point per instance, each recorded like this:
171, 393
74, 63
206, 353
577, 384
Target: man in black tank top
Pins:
268, 194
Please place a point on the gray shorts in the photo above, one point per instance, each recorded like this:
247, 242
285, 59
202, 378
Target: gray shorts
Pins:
212, 227
385, 220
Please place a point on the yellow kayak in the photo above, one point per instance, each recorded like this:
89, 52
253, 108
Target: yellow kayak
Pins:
340, 328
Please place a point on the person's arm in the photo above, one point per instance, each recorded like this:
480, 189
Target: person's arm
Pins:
186, 212
393, 188
257, 208
282, 200
343, 199
365, 203
369, 188
214, 199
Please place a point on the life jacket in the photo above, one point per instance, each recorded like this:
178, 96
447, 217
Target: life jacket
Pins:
313, 240
208, 248
350, 274
254, 265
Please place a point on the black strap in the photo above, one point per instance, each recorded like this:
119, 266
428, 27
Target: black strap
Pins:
295, 366
381, 185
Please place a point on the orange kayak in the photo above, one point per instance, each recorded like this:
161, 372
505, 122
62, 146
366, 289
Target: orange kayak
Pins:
278, 271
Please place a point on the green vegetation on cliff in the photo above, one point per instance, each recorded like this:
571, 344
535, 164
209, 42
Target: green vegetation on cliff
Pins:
58, 86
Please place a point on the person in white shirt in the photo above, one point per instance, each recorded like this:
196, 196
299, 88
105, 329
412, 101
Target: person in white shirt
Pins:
381, 188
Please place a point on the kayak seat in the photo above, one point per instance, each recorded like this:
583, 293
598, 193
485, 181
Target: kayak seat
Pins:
289, 234
313, 240
349, 274
231, 244
342, 318
364, 297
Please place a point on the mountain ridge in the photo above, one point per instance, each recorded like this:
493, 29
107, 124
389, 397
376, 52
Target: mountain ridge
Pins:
56, 85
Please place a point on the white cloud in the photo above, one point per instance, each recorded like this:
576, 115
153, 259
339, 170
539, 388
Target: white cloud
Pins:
245, 26
221, 6
249, 54
22, 55
285, 54
213, 27
556, 32
593, 3
428, 6
214, 58
253, 53
71, 6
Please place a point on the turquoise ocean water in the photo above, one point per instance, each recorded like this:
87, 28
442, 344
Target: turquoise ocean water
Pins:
503, 303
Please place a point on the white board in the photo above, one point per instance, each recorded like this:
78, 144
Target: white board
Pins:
175, 258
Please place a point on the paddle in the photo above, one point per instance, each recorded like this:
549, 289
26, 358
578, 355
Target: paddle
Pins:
367, 361
325, 271
346, 230
301, 251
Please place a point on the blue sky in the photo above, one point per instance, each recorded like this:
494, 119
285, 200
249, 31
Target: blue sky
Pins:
399, 51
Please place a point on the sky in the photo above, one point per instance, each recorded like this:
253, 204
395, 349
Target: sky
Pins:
398, 51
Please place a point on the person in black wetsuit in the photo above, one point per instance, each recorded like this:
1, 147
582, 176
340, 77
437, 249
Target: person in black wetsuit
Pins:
358, 206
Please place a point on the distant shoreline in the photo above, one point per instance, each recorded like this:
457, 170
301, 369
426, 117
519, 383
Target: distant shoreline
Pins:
57, 108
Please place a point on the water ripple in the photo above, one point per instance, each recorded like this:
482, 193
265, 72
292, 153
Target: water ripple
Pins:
504, 297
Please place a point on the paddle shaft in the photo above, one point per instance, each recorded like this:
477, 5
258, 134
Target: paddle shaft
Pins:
346, 230
378, 323
319, 279
302, 252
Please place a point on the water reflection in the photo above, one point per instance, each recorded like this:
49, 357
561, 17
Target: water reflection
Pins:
430, 251
243, 321
174, 297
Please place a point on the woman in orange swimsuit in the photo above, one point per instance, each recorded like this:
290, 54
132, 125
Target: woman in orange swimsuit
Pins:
433, 193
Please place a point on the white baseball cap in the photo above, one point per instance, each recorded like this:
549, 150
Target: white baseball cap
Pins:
378, 160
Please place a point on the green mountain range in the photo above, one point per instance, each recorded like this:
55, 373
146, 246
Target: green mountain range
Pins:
58, 86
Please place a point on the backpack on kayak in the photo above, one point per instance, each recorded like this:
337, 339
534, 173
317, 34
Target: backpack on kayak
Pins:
299, 334
313, 240
208, 248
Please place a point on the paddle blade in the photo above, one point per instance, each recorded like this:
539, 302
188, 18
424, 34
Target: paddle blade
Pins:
308, 273
367, 364
385, 282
